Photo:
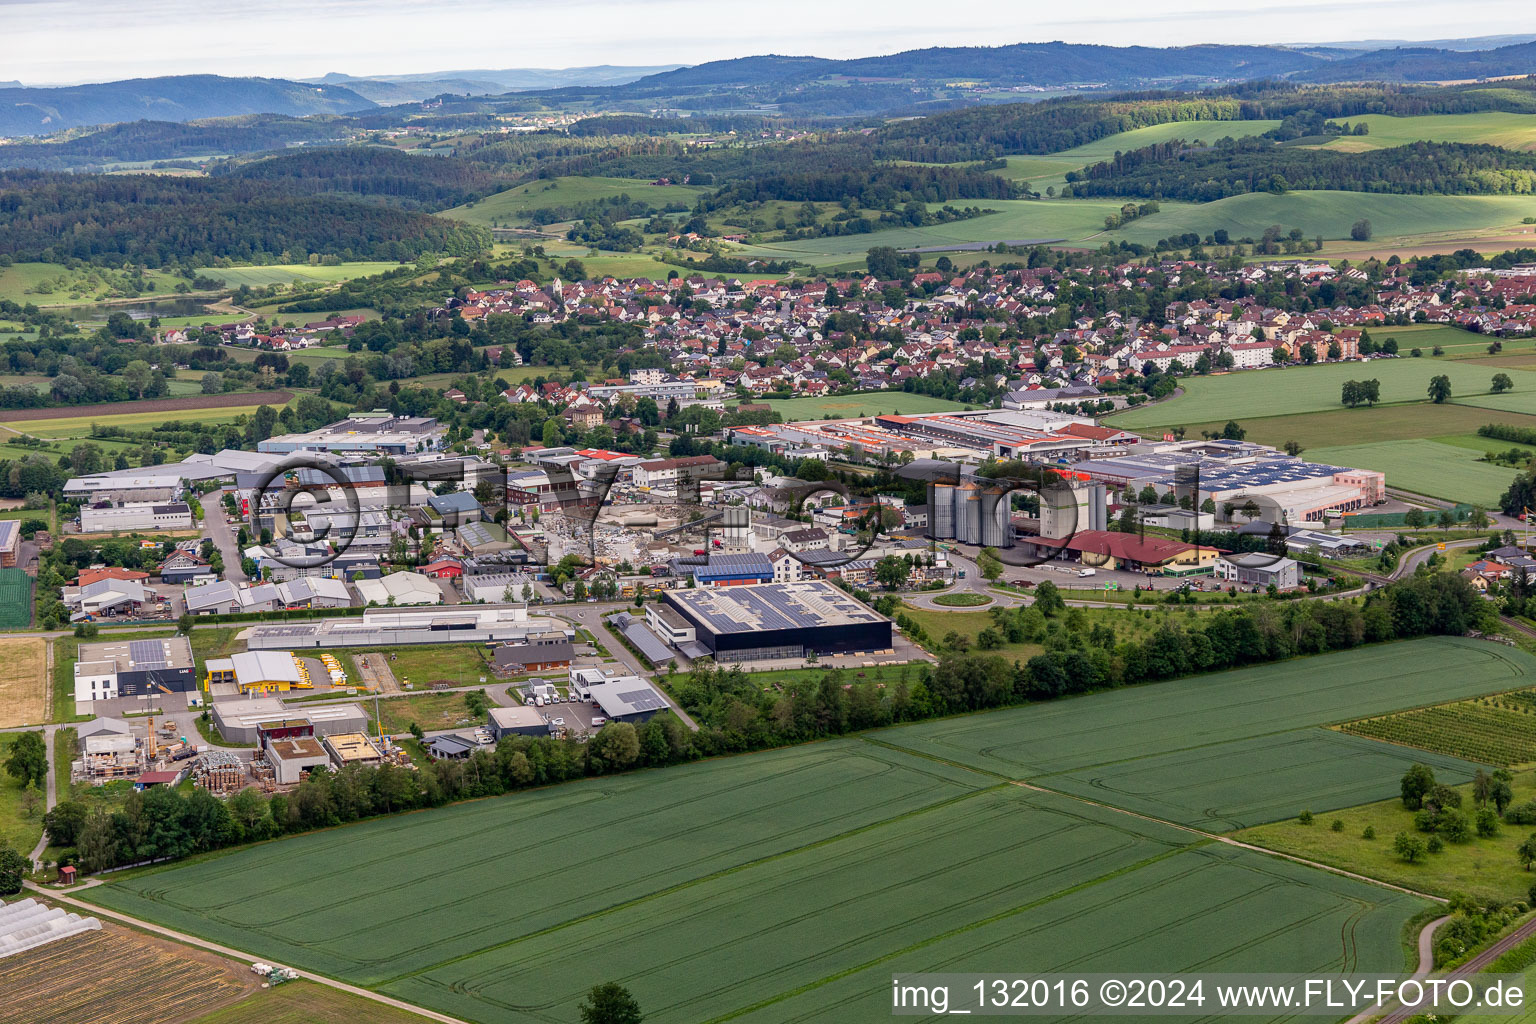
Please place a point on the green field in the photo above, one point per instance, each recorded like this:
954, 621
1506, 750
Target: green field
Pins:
1235, 748
80, 426
870, 404
1330, 214
1449, 424
508, 206
20, 282
1493, 127
1426, 467
16, 591
290, 273
1486, 868
305, 1002
1299, 389
761, 889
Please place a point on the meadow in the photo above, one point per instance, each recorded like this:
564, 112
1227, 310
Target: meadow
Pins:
51, 284
1493, 127
1428, 467
869, 404
16, 828
1230, 749
1304, 389
292, 273
1483, 867
508, 206
760, 888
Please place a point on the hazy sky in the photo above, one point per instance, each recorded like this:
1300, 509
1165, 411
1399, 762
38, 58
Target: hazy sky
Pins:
57, 41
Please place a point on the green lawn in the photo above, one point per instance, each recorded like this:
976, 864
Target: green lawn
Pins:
1235, 748
1484, 868
868, 404
762, 889
459, 664
1304, 389
1427, 467
508, 207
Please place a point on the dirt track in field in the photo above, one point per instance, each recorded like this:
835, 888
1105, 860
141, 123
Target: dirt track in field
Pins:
181, 404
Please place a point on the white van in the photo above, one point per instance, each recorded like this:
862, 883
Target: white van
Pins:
1086, 572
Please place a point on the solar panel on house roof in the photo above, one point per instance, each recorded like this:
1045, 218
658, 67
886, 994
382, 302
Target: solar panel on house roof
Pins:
146, 654
643, 700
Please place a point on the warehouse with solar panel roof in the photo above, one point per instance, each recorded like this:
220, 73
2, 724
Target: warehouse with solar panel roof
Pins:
778, 620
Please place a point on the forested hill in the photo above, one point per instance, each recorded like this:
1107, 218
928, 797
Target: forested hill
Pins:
170, 140
163, 221
173, 98
386, 175
1426, 64
1172, 170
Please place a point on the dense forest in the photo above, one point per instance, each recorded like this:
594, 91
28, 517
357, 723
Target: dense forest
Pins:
375, 172
1176, 170
159, 221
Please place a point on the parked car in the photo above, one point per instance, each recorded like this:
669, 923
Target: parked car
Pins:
599, 722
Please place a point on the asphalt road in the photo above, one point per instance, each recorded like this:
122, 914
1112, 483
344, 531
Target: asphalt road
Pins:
217, 529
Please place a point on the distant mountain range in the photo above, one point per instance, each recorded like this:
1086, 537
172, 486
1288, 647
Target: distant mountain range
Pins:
915, 81
174, 98
409, 88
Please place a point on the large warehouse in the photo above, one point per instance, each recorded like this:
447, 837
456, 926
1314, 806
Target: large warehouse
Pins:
780, 620
134, 668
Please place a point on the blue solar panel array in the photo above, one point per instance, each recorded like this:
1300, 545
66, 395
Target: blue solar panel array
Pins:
146, 654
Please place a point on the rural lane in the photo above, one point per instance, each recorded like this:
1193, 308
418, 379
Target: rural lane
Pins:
237, 954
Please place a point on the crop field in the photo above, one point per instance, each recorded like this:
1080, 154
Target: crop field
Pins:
15, 598
1428, 468
764, 882
870, 404
290, 273
508, 206
1495, 128
116, 976
80, 426
1300, 389
1232, 720
1500, 729
1448, 424
23, 677
1331, 214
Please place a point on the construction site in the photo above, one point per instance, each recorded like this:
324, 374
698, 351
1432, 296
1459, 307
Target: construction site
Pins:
112, 750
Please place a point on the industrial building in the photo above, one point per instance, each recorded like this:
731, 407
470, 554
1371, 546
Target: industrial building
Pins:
352, 748
1259, 569
627, 699
540, 652
724, 570
241, 720
377, 433
385, 627
257, 672
1285, 488
134, 668
517, 721
779, 620
10, 542
105, 517
971, 512
399, 588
